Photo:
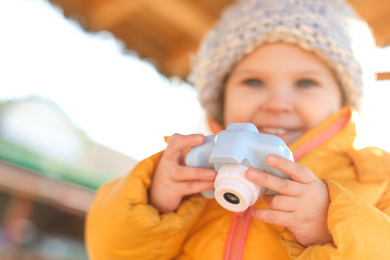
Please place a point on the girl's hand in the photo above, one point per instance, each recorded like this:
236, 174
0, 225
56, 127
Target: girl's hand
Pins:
173, 180
302, 205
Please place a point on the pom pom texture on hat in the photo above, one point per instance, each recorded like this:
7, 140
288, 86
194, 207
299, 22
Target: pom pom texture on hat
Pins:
319, 26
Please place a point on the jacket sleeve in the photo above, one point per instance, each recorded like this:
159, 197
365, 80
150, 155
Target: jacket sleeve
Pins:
122, 225
359, 230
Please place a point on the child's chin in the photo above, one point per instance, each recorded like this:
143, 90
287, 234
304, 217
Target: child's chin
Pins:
290, 137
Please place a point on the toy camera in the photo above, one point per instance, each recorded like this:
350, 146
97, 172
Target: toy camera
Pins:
231, 153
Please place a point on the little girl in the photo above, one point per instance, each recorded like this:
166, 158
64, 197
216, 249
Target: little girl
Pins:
287, 67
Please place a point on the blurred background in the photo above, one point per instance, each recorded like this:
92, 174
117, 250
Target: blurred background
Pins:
89, 88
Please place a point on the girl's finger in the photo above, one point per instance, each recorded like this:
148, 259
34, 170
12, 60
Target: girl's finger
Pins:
297, 172
185, 173
178, 143
275, 217
281, 202
283, 186
192, 187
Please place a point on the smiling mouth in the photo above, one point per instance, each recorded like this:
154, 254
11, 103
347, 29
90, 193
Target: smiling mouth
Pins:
273, 131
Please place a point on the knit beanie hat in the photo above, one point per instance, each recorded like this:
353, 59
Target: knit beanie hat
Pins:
323, 27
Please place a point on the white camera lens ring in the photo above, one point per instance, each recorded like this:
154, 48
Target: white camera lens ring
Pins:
233, 188
233, 191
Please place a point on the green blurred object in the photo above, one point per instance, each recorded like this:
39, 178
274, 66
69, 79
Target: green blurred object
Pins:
79, 174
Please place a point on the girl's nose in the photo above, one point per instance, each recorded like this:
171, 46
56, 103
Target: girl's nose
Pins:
277, 101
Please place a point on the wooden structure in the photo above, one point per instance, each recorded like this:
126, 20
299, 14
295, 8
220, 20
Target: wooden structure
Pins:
167, 32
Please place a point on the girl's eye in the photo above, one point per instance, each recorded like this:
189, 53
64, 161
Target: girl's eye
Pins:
306, 83
253, 82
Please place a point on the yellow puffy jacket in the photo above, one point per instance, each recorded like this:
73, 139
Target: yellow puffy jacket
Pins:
121, 225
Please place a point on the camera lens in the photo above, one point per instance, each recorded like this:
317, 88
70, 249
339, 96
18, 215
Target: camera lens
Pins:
231, 198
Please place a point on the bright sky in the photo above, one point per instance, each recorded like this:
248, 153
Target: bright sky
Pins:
118, 100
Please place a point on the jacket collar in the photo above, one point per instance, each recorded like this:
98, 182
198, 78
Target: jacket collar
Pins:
318, 135
370, 163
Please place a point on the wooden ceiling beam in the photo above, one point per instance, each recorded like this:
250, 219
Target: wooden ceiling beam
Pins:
145, 48
380, 27
177, 63
383, 76
376, 16
110, 13
185, 15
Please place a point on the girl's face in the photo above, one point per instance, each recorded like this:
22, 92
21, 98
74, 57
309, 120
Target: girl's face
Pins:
283, 90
